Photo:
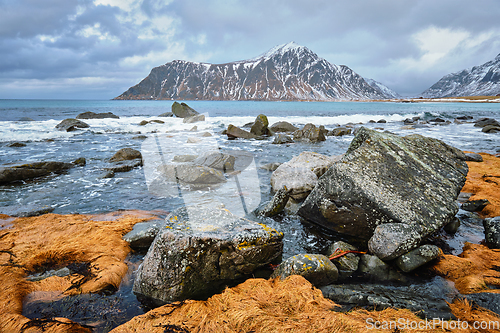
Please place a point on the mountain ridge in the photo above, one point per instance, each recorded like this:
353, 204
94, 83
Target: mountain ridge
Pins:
285, 72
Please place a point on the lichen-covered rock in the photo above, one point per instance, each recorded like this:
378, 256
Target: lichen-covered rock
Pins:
182, 110
346, 264
385, 178
32, 170
200, 250
492, 232
300, 174
260, 126
125, 154
418, 257
315, 268
311, 133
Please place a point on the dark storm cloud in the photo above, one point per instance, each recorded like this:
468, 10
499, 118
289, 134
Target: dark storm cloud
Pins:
407, 45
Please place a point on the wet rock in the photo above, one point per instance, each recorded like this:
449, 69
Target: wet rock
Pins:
32, 170
390, 240
428, 300
418, 257
473, 157
315, 268
410, 181
143, 123
474, 205
300, 174
483, 122
125, 154
143, 234
71, 124
93, 115
81, 161
270, 166
26, 210
277, 203
196, 175
346, 264
382, 121
260, 126
491, 129
140, 137
452, 227
490, 301
437, 120
194, 119
311, 133
234, 132
465, 117
340, 131
123, 166
200, 251
283, 126
16, 145
166, 114
217, 160
492, 232
282, 139
182, 110
373, 269
157, 121
65, 271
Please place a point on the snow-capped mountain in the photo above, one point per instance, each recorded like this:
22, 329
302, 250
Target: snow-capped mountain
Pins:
286, 72
383, 89
481, 80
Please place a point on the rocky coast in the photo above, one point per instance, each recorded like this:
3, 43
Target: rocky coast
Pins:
396, 205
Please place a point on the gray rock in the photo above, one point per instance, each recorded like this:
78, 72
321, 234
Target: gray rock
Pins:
271, 166
234, 132
277, 203
418, 257
282, 139
340, 131
390, 240
200, 251
490, 301
492, 232
283, 126
346, 264
32, 170
373, 269
217, 160
184, 158
491, 129
315, 268
41, 276
166, 114
474, 205
26, 210
384, 178
125, 154
182, 110
483, 122
93, 115
473, 157
71, 124
194, 119
143, 234
260, 126
311, 133
195, 175
429, 300
452, 227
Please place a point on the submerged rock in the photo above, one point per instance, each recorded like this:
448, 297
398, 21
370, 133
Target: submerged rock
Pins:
410, 182
183, 110
32, 170
315, 268
200, 250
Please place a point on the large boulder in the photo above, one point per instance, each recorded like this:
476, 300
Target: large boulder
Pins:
310, 133
300, 174
182, 110
234, 132
32, 170
71, 124
201, 250
283, 126
410, 181
260, 126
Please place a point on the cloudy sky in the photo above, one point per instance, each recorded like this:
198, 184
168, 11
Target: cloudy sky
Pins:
96, 49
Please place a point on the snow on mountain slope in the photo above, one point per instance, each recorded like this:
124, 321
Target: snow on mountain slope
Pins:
285, 72
383, 89
481, 80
